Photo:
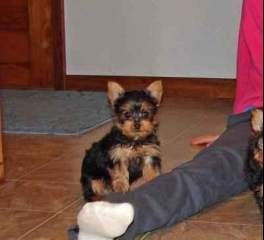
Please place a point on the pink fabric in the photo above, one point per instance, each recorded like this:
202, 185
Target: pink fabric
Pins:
249, 90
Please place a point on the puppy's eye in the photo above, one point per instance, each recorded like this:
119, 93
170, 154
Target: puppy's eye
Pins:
145, 114
127, 115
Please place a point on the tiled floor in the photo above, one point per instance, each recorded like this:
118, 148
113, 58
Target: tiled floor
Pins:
41, 196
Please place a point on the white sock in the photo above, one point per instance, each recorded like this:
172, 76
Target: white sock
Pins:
104, 220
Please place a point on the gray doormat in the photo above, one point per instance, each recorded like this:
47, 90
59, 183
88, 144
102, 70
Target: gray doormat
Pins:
53, 112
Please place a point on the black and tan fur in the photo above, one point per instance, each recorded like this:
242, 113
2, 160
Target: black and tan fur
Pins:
131, 149
256, 156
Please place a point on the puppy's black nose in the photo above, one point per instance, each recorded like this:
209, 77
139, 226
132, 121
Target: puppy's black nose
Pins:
137, 125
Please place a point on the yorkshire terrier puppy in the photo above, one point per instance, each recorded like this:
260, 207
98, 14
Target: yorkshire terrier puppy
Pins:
131, 150
256, 156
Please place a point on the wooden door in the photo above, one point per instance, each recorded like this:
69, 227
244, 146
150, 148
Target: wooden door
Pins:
29, 35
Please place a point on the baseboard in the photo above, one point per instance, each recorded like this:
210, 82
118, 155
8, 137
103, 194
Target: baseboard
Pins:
186, 87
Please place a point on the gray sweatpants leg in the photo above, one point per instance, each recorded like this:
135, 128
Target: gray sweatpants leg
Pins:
214, 175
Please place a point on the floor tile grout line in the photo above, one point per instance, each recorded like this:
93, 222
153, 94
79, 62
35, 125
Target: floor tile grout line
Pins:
34, 169
3, 185
50, 182
25, 210
34, 210
181, 133
48, 219
41, 181
7, 183
39, 167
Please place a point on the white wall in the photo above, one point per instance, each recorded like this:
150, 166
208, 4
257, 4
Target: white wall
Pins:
181, 38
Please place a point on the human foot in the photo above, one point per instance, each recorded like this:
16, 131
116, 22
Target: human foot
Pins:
104, 220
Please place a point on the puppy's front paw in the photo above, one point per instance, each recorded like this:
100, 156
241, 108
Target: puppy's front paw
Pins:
150, 172
121, 185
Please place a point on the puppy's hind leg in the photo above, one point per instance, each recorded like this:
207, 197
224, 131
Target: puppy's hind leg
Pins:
87, 189
100, 189
93, 189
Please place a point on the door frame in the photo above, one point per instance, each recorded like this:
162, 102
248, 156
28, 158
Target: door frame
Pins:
59, 43
47, 44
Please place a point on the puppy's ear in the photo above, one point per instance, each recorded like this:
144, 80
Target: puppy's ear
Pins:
114, 92
156, 90
257, 120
